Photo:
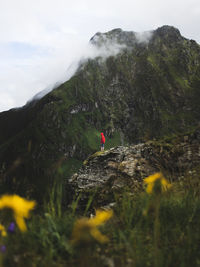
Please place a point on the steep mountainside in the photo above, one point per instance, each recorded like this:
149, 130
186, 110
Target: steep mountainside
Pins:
150, 89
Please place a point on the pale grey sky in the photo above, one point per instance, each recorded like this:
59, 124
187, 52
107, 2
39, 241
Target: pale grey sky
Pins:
40, 38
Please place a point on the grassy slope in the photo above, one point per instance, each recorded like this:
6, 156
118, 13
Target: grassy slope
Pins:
146, 230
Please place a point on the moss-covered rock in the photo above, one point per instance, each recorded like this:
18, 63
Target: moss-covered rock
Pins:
122, 169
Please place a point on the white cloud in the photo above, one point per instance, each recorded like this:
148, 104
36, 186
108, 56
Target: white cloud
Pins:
53, 33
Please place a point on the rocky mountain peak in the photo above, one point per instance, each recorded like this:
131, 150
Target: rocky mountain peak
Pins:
168, 33
131, 38
115, 36
166, 29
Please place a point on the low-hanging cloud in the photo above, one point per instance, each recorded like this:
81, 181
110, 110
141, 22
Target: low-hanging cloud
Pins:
100, 46
52, 68
83, 53
144, 37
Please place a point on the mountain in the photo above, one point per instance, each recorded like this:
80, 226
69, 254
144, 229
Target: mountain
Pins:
148, 89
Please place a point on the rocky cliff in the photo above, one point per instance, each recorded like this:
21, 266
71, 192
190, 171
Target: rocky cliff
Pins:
149, 89
120, 169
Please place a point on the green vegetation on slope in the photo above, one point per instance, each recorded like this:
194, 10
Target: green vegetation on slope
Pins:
145, 230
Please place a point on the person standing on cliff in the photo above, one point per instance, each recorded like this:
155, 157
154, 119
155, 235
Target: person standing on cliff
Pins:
103, 139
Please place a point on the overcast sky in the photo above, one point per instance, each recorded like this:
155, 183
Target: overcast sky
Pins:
41, 38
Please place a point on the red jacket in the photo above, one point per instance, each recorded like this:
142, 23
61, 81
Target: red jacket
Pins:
102, 138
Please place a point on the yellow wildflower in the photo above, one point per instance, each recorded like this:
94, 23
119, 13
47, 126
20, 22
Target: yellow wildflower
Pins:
101, 217
151, 180
3, 230
85, 228
20, 207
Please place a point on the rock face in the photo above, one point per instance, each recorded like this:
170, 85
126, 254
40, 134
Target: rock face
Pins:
124, 168
149, 89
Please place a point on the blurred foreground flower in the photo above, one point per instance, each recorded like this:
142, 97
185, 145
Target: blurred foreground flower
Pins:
11, 227
3, 230
3, 248
156, 181
20, 207
86, 229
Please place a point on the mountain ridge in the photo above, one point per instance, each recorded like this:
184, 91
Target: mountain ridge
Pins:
146, 91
